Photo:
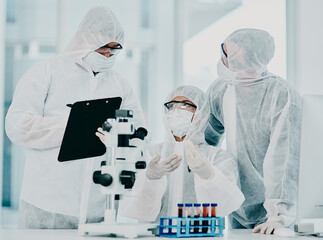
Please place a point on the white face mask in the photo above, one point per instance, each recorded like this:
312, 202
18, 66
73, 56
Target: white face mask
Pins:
98, 62
179, 121
225, 73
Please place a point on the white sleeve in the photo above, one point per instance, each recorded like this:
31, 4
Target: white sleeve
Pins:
222, 188
281, 163
25, 122
145, 203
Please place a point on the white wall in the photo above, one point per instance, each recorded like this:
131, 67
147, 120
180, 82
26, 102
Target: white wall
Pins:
306, 45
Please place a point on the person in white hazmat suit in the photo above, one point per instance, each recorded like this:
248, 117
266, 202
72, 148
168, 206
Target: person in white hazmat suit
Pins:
261, 115
54, 194
184, 168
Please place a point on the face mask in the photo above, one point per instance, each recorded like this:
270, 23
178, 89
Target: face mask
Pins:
225, 73
98, 62
179, 121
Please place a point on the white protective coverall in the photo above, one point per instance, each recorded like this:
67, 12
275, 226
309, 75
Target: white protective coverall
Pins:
159, 197
261, 115
37, 118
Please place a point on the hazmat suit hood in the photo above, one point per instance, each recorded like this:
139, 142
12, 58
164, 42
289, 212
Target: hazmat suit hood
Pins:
99, 27
196, 130
249, 52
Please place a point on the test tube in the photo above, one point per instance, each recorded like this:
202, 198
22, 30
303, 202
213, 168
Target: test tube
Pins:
180, 210
188, 210
188, 213
197, 215
205, 215
213, 209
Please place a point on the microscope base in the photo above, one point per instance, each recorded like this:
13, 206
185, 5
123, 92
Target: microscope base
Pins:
128, 230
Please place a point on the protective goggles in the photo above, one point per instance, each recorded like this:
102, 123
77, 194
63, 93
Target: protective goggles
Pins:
223, 54
111, 49
180, 104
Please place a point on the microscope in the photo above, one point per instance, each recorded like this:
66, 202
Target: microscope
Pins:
125, 147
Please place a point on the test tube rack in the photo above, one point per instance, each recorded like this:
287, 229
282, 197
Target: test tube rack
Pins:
177, 227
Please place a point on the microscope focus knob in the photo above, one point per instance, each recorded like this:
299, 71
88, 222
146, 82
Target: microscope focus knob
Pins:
103, 179
127, 178
106, 126
103, 163
140, 165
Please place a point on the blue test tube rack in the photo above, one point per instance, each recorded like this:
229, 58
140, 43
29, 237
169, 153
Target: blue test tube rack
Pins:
176, 227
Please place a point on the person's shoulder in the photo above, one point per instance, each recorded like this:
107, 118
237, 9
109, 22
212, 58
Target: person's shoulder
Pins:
216, 84
217, 87
116, 76
115, 73
61, 58
62, 61
279, 84
40, 67
43, 63
215, 94
282, 89
47, 63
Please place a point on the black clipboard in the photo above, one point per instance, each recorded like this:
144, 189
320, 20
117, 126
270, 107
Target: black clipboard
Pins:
79, 139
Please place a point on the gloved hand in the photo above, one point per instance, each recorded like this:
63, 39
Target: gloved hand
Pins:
197, 162
100, 134
269, 227
157, 169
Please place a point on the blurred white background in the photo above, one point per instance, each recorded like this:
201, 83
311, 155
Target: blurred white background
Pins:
168, 43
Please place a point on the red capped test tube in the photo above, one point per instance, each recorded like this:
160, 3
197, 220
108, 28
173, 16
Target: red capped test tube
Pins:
213, 209
205, 215
180, 210
197, 214
188, 210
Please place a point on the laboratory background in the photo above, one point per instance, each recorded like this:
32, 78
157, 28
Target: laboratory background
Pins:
167, 43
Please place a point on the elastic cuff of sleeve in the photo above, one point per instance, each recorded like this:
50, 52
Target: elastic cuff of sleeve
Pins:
210, 177
153, 181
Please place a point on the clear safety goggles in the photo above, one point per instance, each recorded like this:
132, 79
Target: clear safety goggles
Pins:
111, 49
181, 105
223, 54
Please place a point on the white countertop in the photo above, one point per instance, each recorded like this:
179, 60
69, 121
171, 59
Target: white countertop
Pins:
37, 234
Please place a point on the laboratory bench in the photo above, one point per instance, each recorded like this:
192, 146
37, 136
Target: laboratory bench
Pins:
38, 234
